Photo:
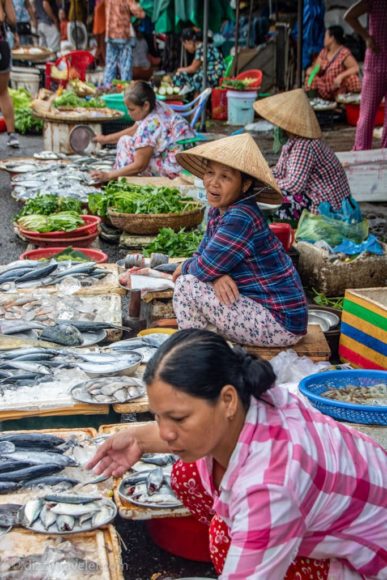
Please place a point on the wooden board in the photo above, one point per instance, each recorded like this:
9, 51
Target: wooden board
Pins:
314, 345
100, 546
367, 173
76, 409
107, 285
128, 510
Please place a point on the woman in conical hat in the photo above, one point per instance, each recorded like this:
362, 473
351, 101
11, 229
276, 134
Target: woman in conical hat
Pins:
308, 172
240, 280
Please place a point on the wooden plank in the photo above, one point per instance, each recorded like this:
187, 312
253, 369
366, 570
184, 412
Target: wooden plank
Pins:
367, 173
314, 345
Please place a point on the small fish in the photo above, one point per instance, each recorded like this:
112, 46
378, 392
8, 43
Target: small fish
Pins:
51, 481
101, 517
160, 459
139, 477
63, 333
12, 465
15, 327
74, 510
36, 458
65, 523
31, 472
32, 510
154, 480
7, 447
32, 439
26, 366
8, 486
47, 517
156, 339
37, 273
71, 498
166, 268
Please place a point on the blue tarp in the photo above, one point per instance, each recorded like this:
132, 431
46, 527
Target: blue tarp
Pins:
314, 30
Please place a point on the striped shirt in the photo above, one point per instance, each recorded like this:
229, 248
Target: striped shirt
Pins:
239, 243
310, 167
300, 483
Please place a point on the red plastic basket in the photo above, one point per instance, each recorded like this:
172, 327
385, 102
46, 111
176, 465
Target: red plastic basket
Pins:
249, 74
285, 234
183, 537
219, 104
352, 112
94, 255
79, 242
91, 226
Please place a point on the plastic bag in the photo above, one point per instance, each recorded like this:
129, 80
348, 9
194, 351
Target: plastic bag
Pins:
370, 245
313, 228
349, 211
291, 368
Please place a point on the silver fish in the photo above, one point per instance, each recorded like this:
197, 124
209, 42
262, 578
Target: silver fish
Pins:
154, 480
160, 459
8, 486
65, 523
63, 333
32, 439
37, 273
32, 510
51, 481
47, 517
36, 458
7, 447
26, 366
31, 472
74, 510
71, 498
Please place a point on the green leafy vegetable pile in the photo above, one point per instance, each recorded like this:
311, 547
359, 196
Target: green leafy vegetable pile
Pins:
322, 300
25, 122
179, 244
125, 197
49, 204
64, 221
70, 99
68, 254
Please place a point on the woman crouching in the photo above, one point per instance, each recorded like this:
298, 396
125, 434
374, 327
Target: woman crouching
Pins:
240, 280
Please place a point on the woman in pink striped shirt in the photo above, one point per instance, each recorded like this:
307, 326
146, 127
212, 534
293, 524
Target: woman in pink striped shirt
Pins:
286, 491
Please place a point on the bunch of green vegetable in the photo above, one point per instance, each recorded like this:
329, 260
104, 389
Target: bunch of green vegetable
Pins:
70, 99
64, 221
25, 122
68, 255
322, 300
181, 244
125, 197
237, 85
49, 204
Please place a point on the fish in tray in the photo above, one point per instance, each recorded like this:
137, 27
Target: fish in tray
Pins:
59, 561
109, 390
146, 345
67, 513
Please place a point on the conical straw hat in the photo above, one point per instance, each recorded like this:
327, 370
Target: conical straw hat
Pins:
239, 152
290, 111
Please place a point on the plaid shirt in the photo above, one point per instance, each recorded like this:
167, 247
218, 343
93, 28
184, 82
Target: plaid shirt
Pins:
300, 483
310, 167
240, 244
118, 18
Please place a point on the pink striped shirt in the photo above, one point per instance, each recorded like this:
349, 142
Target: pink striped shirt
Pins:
300, 483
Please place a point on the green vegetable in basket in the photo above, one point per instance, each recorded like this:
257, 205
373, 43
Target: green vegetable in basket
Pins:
48, 204
70, 99
68, 254
179, 244
322, 300
62, 221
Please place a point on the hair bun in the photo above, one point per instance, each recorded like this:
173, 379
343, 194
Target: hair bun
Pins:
258, 374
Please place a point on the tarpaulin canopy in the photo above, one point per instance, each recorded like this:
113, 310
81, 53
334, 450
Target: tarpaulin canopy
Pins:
173, 15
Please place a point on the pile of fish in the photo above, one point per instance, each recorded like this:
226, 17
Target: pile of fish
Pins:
32, 273
61, 560
109, 390
70, 179
33, 459
23, 367
60, 513
148, 484
375, 395
146, 345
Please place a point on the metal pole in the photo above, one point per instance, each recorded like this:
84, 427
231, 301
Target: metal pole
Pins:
235, 63
205, 45
300, 29
249, 23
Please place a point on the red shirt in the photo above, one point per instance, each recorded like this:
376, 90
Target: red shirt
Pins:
118, 18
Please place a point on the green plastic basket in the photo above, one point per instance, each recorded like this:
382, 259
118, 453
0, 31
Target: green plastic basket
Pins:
116, 101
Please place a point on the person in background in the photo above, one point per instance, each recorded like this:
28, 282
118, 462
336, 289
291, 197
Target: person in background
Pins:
286, 492
374, 88
99, 30
307, 172
25, 17
7, 18
142, 58
338, 70
120, 38
46, 12
63, 22
150, 146
192, 75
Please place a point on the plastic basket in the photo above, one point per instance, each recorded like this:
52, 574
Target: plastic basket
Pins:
251, 74
91, 226
352, 111
314, 387
96, 256
116, 101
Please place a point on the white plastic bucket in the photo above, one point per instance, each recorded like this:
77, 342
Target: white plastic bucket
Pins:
25, 78
240, 107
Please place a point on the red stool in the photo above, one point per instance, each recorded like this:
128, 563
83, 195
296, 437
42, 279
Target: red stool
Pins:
183, 537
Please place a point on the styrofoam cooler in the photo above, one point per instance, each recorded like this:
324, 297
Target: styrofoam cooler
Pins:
25, 78
240, 107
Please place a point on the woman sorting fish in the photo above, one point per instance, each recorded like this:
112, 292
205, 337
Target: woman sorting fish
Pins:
307, 172
240, 280
286, 491
149, 147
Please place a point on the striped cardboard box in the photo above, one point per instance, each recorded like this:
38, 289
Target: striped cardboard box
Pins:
363, 339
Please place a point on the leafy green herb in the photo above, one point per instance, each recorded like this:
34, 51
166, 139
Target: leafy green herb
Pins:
181, 244
125, 197
57, 222
25, 122
68, 254
322, 300
48, 204
70, 99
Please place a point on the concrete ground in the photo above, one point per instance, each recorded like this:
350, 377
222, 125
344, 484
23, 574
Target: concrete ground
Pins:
141, 557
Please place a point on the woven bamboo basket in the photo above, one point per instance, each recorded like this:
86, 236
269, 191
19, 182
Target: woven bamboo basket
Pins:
145, 224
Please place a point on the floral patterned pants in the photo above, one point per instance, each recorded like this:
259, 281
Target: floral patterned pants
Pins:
186, 483
245, 321
119, 56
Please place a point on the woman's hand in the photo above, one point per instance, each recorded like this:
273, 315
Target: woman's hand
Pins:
226, 290
337, 81
116, 455
101, 139
101, 176
177, 273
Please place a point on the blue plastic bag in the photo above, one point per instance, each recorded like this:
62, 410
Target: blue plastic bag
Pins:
349, 212
370, 245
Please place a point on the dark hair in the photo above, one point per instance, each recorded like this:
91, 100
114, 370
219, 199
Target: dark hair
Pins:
338, 33
200, 363
139, 93
191, 34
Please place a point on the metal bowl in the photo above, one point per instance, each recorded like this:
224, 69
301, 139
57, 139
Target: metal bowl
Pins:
316, 319
332, 318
